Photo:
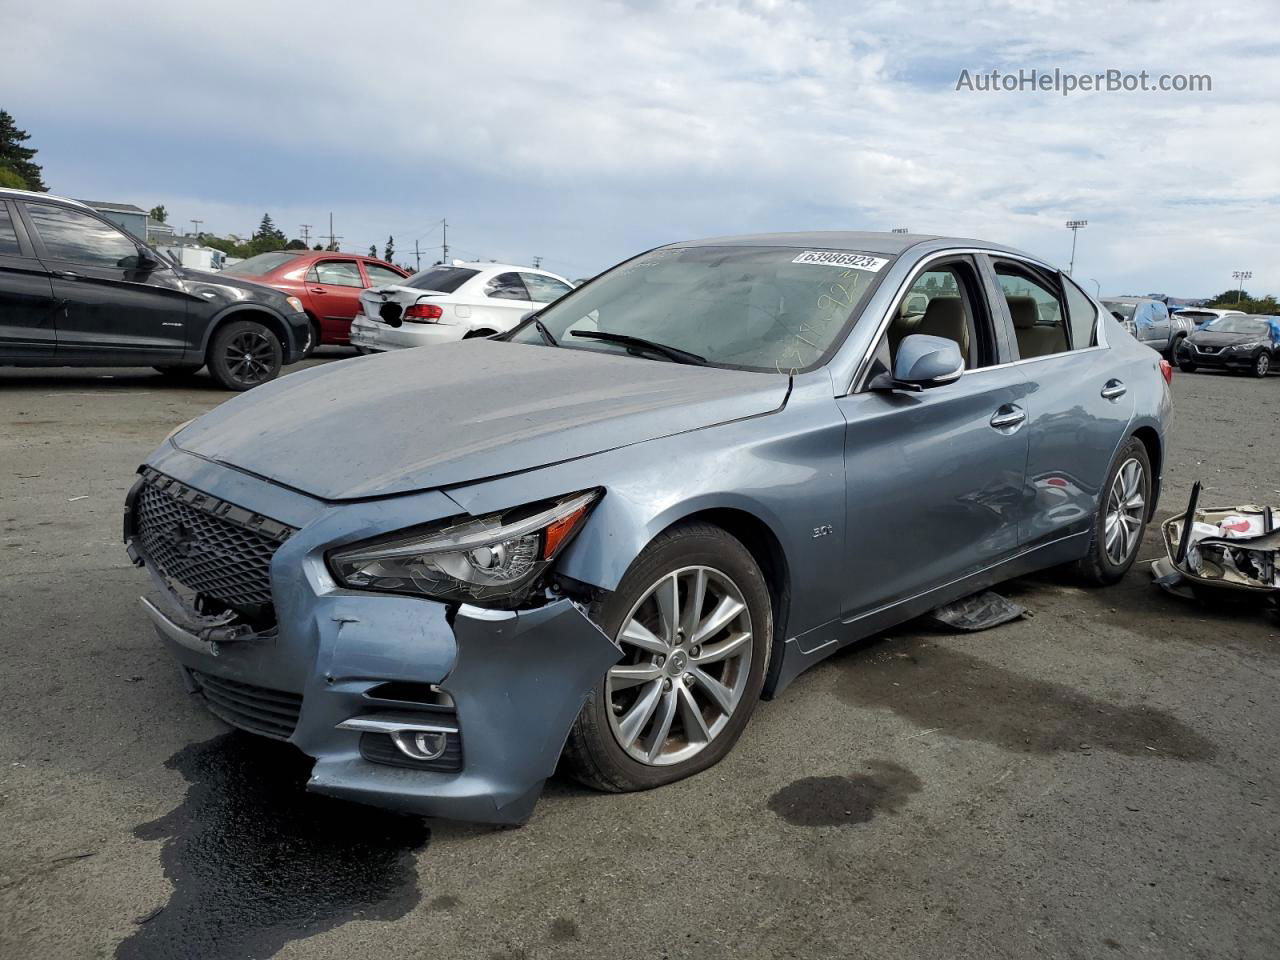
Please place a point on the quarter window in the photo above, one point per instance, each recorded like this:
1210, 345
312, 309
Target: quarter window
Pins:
336, 273
8, 235
507, 286
544, 289
1082, 316
1036, 310
77, 237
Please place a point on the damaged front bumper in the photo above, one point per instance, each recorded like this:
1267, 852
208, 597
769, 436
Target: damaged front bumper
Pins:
344, 675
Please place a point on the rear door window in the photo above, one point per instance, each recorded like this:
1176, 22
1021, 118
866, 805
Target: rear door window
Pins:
1035, 307
8, 234
337, 273
507, 286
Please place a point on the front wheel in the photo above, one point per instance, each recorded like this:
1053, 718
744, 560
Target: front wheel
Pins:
1262, 364
312, 341
1187, 366
244, 354
694, 620
1121, 519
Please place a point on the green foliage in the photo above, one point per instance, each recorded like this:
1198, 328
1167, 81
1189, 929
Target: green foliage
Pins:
159, 214
373, 250
390, 250
295, 244
16, 157
1237, 300
10, 179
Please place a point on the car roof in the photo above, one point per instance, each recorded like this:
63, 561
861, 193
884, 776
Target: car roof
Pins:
15, 194
1110, 299
886, 243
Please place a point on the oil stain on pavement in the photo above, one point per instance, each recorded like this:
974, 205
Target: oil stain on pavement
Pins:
256, 863
962, 696
836, 801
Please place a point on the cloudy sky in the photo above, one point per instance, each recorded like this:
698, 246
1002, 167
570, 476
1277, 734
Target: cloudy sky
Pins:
583, 132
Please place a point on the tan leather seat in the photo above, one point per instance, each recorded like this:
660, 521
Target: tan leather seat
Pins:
1034, 340
944, 317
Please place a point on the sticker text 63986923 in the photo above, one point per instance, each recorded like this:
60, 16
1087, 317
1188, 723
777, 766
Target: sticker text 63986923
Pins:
831, 258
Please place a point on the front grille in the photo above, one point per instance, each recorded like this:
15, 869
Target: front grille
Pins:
1208, 349
214, 549
271, 713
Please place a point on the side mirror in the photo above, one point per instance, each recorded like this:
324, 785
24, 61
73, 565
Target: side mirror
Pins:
922, 362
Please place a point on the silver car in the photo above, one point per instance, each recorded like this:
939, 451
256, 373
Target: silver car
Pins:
604, 536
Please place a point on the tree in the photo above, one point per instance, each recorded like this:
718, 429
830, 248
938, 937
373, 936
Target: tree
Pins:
267, 237
295, 244
373, 249
10, 179
159, 214
390, 250
17, 158
317, 247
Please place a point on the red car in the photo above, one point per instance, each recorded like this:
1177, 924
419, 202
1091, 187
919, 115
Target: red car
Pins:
328, 284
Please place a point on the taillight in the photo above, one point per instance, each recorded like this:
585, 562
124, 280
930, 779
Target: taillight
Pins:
1166, 371
423, 312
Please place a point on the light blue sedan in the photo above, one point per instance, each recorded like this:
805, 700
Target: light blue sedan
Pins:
605, 535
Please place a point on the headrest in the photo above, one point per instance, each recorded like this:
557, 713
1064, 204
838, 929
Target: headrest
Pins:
1024, 312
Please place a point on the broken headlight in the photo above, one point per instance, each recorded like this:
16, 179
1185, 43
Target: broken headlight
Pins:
499, 557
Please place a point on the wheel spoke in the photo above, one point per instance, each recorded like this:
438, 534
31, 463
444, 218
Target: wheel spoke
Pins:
719, 693
638, 635
662, 725
1112, 533
723, 649
667, 596
631, 675
635, 721
718, 619
694, 598
691, 714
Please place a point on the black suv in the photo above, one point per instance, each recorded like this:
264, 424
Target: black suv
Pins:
77, 291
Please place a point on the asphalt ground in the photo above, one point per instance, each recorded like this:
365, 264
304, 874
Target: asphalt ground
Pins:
1098, 780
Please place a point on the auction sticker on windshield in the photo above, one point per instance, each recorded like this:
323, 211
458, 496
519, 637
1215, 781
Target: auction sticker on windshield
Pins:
829, 258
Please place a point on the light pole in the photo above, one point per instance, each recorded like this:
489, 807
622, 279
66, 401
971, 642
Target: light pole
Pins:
1240, 277
1097, 287
1074, 226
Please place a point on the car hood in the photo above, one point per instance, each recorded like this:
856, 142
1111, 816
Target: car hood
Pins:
1210, 338
230, 287
455, 413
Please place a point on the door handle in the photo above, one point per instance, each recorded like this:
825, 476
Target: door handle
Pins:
1114, 390
316, 289
1009, 415
66, 275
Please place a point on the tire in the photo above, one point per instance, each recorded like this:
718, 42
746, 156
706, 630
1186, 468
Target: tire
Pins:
474, 334
313, 340
1187, 366
1261, 364
1176, 346
244, 354
1106, 563
178, 372
362, 351
595, 753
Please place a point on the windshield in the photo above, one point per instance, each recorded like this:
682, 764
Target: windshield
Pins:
776, 309
1124, 309
262, 264
440, 279
1239, 324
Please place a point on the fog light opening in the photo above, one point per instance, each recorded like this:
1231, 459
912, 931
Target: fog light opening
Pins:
421, 744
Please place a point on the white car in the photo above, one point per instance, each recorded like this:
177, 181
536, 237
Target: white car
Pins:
451, 302
1202, 315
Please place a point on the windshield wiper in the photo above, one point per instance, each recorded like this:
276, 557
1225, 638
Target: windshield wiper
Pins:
546, 334
640, 343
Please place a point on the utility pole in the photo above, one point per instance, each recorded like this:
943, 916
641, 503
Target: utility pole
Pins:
1075, 226
306, 234
444, 237
333, 240
417, 257
195, 226
537, 263
1240, 277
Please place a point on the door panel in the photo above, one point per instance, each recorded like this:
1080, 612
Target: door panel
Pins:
27, 330
334, 288
1074, 432
934, 489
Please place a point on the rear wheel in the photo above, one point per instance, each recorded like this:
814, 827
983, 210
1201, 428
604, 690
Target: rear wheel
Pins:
1262, 364
694, 620
1122, 517
244, 354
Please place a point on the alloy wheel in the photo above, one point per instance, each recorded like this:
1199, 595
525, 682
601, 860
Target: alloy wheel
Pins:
1126, 506
249, 357
1263, 365
686, 661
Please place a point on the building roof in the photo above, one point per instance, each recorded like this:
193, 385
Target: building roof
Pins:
114, 207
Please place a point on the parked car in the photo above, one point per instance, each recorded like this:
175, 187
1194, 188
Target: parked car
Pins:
328, 284
449, 302
77, 291
1237, 342
1148, 321
1202, 315
602, 537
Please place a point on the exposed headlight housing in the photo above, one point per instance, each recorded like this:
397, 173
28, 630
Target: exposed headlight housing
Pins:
296, 304
494, 560
1251, 345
